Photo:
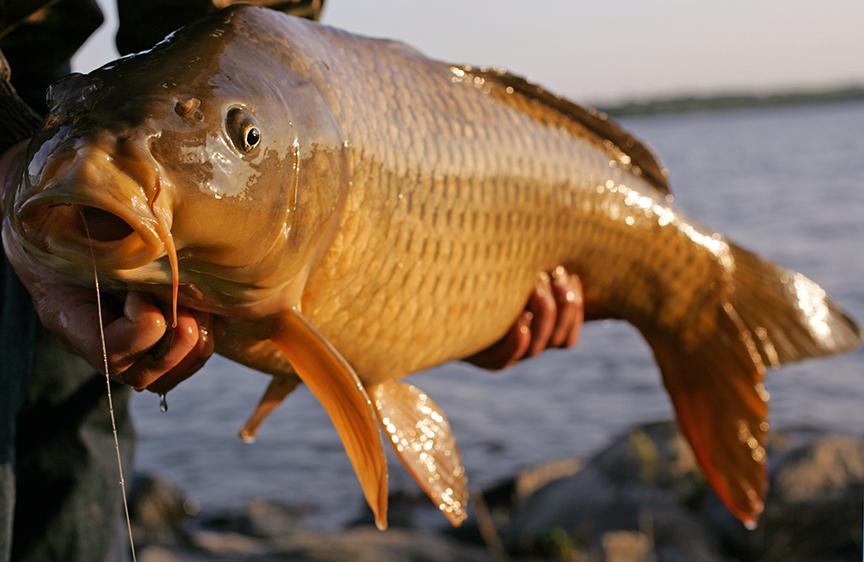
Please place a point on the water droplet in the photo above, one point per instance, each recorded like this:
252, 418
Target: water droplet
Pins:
191, 506
163, 403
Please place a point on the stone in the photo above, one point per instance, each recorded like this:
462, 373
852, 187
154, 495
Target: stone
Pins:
814, 505
158, 510
635, 497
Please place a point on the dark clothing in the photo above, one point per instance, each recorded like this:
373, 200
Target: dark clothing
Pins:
59, 481
60, 497
39, 48
17, 336
143, 24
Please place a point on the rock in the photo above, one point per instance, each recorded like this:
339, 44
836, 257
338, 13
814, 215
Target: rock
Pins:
265, 531
531, 480
158, 510
156, 554
228, 544
368, 544
826, 467
643, 499
626, 546
632, 501
814, 505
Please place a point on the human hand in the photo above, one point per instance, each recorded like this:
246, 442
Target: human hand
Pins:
553, 317
133, 327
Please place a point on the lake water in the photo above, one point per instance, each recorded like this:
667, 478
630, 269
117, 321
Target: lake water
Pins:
787, 183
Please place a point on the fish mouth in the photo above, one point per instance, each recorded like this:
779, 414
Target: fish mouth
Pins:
103, 226
86, 231
96, 216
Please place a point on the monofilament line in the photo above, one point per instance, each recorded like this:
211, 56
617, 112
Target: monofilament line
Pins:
108, 384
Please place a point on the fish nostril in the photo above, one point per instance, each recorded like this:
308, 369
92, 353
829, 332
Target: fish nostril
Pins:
102, 225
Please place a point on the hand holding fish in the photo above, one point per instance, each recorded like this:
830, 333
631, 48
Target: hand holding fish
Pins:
553, 318
132, 329
70, 313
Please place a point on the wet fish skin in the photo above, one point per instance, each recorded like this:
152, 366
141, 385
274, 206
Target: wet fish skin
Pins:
405, 206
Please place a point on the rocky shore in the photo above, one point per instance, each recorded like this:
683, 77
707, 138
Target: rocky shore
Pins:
640, 499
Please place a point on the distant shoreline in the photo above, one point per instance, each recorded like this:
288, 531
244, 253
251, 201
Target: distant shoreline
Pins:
693, 104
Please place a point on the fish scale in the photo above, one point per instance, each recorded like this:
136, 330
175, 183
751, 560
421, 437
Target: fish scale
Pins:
466, 194
394, 213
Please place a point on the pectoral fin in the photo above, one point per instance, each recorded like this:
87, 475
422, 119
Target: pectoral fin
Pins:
332, 380
279, 388
421, 436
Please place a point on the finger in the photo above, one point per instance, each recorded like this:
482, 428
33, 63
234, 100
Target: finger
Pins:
567, 291
72, 314
542, 306
509, 349
194, 360
148, 367
130, 336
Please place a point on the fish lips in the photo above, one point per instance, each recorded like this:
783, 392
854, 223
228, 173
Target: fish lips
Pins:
85, 222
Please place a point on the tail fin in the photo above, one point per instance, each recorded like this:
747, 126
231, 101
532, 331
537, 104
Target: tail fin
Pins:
773, 316
791, 316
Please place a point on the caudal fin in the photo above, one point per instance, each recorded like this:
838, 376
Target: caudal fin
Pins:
772, 316
790, 317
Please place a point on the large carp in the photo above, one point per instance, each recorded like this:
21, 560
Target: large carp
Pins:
356, 212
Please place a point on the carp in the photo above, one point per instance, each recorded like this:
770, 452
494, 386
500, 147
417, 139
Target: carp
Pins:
355, 212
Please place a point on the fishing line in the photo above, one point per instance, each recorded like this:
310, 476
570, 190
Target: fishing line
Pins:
108, 384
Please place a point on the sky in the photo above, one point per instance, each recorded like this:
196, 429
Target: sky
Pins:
616, 50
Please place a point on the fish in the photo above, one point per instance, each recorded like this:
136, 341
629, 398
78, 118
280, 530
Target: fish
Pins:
355, 212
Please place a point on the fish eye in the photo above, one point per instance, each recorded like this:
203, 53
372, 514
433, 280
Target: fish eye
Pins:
253, 136
243, 130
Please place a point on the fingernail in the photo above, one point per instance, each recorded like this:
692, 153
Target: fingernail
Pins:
525, 321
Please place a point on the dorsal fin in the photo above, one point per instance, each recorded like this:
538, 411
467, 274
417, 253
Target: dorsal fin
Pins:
637, 157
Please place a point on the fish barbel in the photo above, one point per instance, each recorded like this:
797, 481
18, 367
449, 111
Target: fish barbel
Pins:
356, 212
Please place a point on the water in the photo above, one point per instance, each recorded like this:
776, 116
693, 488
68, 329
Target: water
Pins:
787, 183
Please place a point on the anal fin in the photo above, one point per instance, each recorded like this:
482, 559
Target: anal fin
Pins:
332, 380
423, 441
277, 390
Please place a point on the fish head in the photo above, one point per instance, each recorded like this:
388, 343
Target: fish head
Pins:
203, 162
